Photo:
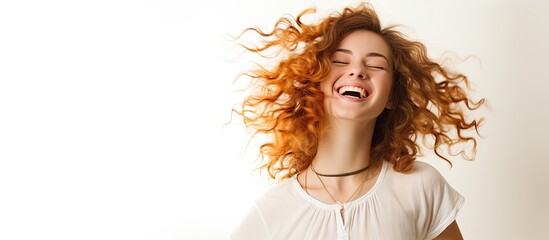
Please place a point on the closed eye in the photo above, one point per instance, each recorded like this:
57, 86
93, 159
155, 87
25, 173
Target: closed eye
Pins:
339, 62
376, 67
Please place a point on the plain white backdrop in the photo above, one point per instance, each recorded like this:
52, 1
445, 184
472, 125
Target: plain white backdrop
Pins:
112, 114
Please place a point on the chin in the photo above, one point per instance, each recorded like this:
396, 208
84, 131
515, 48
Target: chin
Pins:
351, 116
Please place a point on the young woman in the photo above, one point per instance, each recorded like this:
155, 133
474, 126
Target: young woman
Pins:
345, 109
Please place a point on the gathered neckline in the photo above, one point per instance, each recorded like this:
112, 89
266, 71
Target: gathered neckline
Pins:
335, 206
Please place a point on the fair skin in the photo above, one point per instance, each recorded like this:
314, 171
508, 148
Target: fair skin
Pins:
355, 93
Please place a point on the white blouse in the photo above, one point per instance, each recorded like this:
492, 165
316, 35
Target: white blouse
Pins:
415, 205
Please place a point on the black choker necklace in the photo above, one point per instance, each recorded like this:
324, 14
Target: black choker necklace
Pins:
341, 174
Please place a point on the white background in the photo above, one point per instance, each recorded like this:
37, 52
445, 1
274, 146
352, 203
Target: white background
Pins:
112, 114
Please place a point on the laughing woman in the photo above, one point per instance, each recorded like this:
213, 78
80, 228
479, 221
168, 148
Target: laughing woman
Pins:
345, 110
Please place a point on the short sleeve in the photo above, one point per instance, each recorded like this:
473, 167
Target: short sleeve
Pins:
441, 203
252, 227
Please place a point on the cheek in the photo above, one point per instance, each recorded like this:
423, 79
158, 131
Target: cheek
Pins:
385, 85
327, 84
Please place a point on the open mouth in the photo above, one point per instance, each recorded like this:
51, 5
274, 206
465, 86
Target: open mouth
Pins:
353, 92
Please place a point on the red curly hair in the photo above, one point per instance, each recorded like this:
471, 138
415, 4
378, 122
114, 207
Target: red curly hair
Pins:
427, 99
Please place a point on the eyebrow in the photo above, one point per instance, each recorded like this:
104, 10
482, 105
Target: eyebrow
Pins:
372, 54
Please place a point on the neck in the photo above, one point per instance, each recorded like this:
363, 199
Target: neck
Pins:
344, 147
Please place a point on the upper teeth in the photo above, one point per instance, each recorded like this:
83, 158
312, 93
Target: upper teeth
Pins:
353, 89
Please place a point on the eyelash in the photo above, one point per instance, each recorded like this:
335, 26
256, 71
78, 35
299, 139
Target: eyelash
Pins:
369, 66
377, 67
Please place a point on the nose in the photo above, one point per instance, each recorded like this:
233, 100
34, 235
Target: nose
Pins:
357, 70
357, 73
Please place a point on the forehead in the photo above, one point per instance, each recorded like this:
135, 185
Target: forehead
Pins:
363, 42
